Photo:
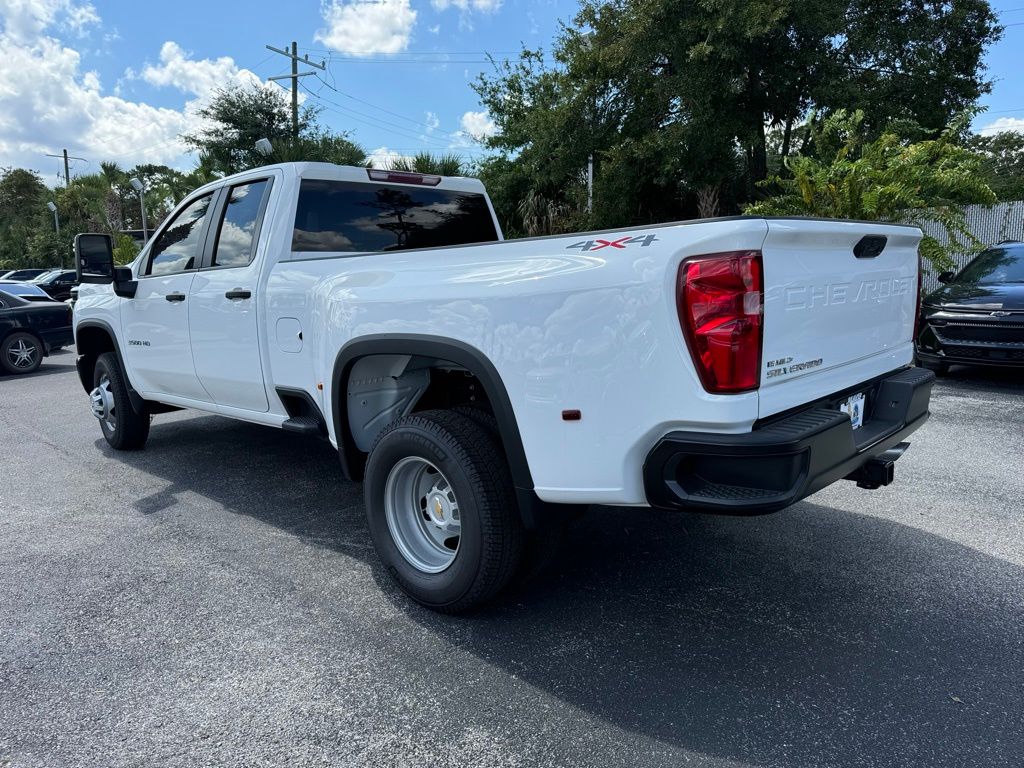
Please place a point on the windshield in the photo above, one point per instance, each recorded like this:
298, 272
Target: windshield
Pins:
23, 289
8, 300
45, 276
996, 265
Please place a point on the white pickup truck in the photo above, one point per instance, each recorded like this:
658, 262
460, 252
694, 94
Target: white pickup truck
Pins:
479, 387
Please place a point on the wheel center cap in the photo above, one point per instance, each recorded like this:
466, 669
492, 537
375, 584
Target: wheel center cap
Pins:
440, 509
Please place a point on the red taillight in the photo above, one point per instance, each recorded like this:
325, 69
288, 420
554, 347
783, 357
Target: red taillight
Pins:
720, 300
403, 177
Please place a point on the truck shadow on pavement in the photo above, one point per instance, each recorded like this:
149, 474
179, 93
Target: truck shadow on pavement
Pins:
813, 636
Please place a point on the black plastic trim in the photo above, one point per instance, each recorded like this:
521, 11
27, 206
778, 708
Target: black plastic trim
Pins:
779, 463
470, 358
285, 394
870, 246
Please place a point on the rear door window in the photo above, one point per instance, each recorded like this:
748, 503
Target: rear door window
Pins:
359, 217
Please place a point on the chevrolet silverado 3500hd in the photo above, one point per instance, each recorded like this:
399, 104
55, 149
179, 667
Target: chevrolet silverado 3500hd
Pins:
475, 385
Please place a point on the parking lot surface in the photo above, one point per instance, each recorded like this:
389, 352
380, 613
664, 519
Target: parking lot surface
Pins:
214, 600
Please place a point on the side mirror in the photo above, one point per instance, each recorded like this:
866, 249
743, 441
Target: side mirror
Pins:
946, 277
94, 258
94, 263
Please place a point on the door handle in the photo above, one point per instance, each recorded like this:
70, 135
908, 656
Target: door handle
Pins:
175, 297
238, 293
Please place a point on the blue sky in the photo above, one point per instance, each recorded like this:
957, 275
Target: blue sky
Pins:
120, 79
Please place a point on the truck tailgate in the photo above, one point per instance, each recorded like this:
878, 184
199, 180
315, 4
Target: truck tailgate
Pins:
835, 313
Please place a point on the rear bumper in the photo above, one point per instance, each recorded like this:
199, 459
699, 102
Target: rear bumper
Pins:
787, 459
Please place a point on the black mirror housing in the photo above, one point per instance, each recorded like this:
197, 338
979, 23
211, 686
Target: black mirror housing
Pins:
124, 283
94, 258
946, 277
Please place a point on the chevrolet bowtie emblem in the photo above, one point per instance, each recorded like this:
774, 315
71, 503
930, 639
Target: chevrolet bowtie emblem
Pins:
438, 509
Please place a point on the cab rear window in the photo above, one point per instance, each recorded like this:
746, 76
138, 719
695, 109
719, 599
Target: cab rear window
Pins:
359, 217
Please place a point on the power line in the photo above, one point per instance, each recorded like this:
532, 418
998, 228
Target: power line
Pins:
418, 123
375, 122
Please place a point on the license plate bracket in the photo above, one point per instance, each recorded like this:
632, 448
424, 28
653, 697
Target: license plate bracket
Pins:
853, 406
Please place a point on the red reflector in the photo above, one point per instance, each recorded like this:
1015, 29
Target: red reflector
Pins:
720, 299
403, 177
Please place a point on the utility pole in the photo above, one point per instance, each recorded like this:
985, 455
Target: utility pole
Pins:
590, 182
67, 169
294, 77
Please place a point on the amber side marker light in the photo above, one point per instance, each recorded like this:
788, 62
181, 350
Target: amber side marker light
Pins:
571, 415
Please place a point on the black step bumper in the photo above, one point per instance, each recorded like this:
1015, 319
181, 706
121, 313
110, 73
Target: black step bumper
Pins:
783, 461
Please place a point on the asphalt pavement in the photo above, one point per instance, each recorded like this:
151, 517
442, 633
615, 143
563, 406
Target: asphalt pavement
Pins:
214, 600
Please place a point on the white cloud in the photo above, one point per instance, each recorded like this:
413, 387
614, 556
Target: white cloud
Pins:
385, 158
25, 19
484, 6
50, 103
363, 27
477, 126
1003, 124
432, 122
199, 77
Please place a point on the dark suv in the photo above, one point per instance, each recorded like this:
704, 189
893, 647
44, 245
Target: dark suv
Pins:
58, 284
977, 317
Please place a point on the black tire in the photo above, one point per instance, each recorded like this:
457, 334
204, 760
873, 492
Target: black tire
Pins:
491, 541
540, 548
129, 430
14, 349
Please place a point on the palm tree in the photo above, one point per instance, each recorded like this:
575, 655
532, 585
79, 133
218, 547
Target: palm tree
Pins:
423, 162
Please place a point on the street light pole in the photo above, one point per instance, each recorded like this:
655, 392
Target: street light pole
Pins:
138, 187
56, 225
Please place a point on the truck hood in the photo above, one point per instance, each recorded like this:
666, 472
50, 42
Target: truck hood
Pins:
1007, 296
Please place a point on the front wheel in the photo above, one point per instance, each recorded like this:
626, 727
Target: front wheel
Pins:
123, 427
21, 353
442, 510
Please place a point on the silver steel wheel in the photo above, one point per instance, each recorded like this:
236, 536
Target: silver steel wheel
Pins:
22, 353
422, 514
103, 405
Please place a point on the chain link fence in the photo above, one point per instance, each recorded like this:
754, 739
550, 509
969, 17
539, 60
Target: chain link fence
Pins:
990, 224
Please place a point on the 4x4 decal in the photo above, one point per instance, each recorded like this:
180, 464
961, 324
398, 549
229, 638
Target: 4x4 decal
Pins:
597, 244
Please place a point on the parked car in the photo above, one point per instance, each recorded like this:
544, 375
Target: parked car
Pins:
23, 274
977, 317
481, 388
58, 284
27, 291
29, 331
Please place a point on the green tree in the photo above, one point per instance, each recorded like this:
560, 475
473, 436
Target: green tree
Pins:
23, 212
240, 116
885, 179
1004, 162
683, 103
449, 164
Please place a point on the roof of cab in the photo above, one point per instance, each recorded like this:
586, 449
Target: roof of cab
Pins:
330, 171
